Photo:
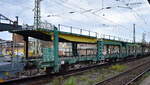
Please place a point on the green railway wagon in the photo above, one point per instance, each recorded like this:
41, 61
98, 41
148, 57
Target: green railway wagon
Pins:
79, 49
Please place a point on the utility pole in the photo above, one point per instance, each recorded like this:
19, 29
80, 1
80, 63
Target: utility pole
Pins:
143, 38
134, 33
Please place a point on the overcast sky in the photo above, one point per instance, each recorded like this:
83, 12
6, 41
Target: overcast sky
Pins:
117, 19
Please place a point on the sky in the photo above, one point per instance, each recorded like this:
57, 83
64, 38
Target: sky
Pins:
117, 17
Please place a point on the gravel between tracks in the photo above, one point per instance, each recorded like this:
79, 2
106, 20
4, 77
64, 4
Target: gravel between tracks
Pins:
125, 77
94, 76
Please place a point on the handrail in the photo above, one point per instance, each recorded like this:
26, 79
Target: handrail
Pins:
3, 18
80, 31
66, 28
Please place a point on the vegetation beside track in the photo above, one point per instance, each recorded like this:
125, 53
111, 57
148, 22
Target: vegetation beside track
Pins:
93, 76
90, 77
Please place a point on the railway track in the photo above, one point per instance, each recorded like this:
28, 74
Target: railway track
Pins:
137, 77
45, 78
127, 77
65, 74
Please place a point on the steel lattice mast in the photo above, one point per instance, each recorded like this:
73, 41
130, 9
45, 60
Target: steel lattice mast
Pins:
37, 14
37, 24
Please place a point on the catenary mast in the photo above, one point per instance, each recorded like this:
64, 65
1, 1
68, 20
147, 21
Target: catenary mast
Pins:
37, 24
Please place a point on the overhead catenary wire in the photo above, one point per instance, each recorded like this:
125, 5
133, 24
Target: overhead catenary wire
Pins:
75, 6
137, 14
94, 15
72, 6
86, 11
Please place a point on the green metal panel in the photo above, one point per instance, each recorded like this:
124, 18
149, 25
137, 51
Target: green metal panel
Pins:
123, 55
110, 42
44, 65
47, 58
115, 55
48, 55
79, 59
132, 45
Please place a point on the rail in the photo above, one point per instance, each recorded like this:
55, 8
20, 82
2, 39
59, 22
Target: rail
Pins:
137, 77
125, 78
